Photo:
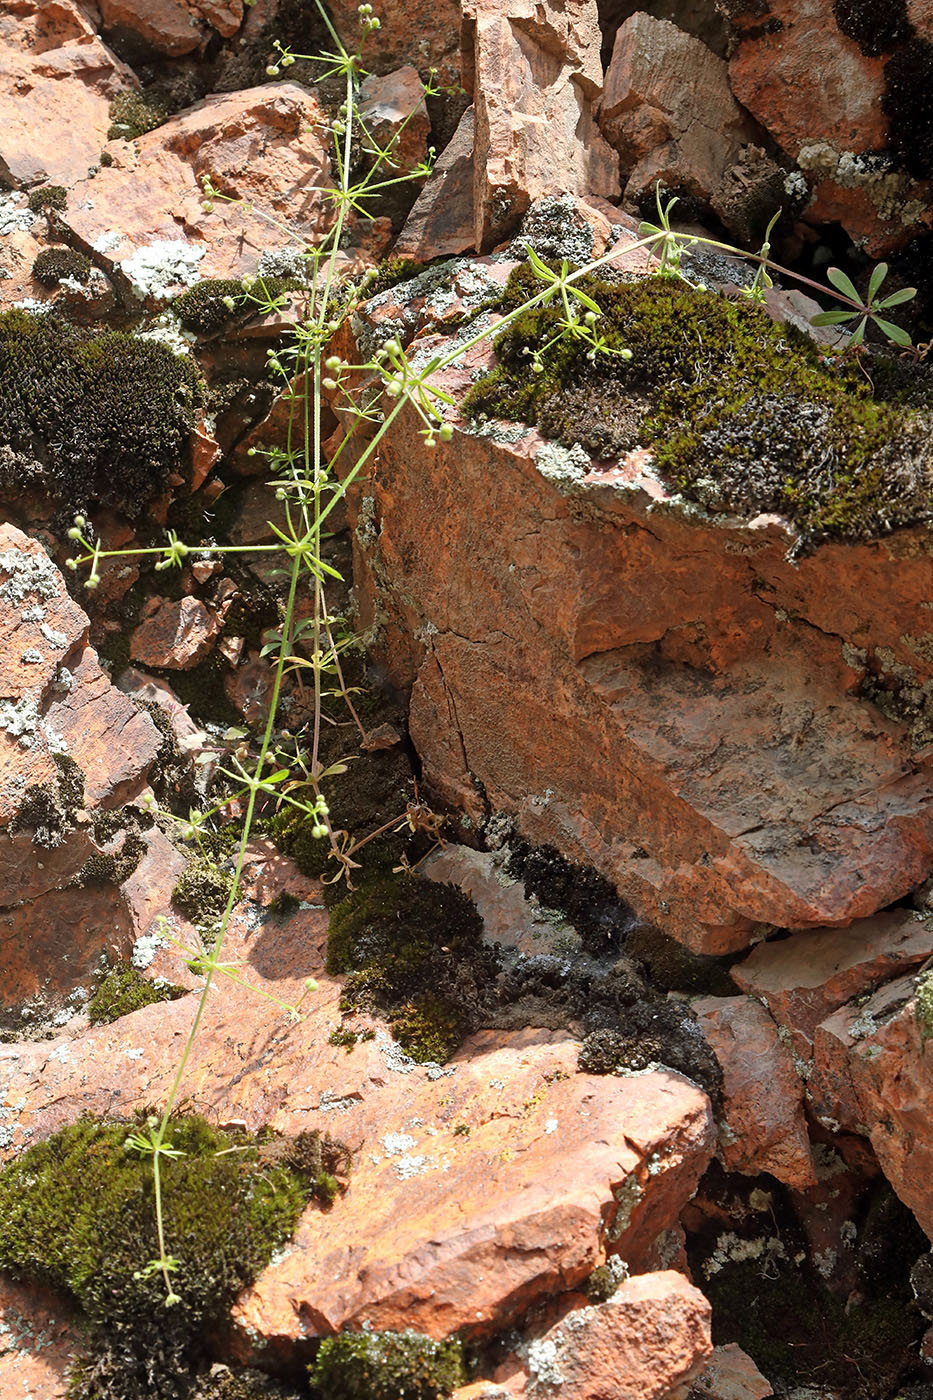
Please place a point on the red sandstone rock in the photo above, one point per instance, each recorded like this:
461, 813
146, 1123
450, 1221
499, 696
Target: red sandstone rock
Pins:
805, 978
668, 110
873, 1073
827, 115
424, 33
730, 1374
174, 635
771, 794
535, 76
142, 217
648, 1342
774, 75
57, 80
439, 1230
173, 27
36, 1342
393, 112
763, 1128
441, 219
57, 702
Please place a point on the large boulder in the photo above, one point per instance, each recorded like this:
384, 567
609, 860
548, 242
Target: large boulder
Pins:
541, 646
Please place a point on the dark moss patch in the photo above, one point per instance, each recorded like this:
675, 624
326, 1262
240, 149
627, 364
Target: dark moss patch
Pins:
206, 307
202, 891
76, 1215
675, 968
875, 25
102, 418
113, 867
52, 264
283, 905
742, 413
908, 105
134, 112
374, 788
47, 810
414, 951
589, 901
171, 776
224, 1383
47, 197
387, 1366
392, 272
124, 990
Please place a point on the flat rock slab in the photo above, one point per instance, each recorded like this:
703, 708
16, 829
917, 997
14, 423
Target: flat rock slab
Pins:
540, 655
141, 218
476, 1188
805, 978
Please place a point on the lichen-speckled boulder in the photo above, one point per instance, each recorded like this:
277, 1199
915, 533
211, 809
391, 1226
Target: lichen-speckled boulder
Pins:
477, 1187
736, 739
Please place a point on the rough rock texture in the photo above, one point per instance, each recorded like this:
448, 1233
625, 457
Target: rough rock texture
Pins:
535, 75
172, 27
174, 635
69, 744
804, 979
646, 1343
441, 222
763, 1128
830, 115
730, 1374
872, 1074
142, 217
424, 33
539, 658
440, 1229
57, 80
36, 1342
668, 110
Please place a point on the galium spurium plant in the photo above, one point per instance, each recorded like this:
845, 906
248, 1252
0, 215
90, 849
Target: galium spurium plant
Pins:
290, 774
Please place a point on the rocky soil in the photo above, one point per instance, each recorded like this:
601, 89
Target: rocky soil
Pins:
645, 1115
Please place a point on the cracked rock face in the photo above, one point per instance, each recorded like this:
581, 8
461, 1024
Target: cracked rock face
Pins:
658, 694
70, 746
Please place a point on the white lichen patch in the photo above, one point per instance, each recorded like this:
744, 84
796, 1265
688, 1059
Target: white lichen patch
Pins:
145, 949
52, 636
20, 719
15, 214
158, 268
732, 1249
543, 1361
396, 1144
27, 573
107, 242
891, 191
165, 330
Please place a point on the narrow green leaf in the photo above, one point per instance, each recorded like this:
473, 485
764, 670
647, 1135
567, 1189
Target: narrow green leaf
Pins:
878, 274
832, 318
898, 298
843, 284
894, 333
